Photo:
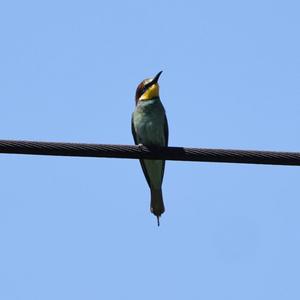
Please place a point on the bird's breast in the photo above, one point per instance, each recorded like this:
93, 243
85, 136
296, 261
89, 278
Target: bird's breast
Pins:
149, 124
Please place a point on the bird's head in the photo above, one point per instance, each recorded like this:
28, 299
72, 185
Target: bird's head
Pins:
148, 89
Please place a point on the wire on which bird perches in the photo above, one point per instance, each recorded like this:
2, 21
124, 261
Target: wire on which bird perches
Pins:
138, 152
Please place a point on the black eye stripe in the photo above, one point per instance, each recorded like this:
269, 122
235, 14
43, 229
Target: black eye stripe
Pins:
147, 86
144, 89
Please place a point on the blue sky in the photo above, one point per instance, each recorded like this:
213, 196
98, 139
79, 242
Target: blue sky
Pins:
80, 228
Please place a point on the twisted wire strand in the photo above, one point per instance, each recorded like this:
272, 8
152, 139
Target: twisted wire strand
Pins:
138, 152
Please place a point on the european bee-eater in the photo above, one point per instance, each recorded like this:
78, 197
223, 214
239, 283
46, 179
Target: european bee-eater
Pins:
150, 128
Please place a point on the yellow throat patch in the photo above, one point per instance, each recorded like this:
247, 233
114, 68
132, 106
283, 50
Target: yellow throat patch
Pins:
150, 93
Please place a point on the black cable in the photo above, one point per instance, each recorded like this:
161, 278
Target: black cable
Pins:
136, 152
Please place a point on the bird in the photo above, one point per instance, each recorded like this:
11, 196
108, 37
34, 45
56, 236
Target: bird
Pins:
149, 127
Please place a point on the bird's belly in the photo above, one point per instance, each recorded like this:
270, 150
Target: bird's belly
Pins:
150, 132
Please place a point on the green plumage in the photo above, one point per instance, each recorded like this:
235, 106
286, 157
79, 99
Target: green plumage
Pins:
150, 128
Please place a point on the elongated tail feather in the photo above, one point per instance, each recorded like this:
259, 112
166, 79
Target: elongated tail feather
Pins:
157, 203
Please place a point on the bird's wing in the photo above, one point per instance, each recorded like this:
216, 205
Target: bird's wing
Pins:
141, 161
133, 131
166, 133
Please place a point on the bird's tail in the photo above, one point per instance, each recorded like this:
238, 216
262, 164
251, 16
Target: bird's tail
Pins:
157, 203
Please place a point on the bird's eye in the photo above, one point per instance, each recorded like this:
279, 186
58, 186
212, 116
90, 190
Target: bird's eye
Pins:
144, 89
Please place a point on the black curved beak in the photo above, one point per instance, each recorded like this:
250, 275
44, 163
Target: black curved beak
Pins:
155, 79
